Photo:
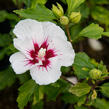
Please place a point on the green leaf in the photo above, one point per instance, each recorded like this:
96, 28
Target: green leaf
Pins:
84, 10
35, 2
2, 15
106, 34
100, 14
101, 104
29, 3
75, 30
20, 2
80, 89
80, 73
10, 49
38, 94
7, 78
81, 107
23, 77
40, 13
64, 1
92, 31
5, 15
81, 101
65, 69
5, 40
2, 53
103, 69
105, 89
82, 61
39, 105
25, 92
53, 90
101, 2
69, 98
73, 5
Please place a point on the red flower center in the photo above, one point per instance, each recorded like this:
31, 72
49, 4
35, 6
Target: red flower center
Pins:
41, 54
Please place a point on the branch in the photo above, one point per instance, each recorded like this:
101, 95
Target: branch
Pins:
68, 33
100, 81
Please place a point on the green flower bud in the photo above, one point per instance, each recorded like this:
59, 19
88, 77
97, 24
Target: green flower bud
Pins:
64, 20
94, 95
95, 74
75, 17
58, 10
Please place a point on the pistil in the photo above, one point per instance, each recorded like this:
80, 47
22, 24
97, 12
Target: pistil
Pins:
41, 53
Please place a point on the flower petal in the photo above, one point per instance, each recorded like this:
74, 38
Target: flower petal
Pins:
19, 63
25, 46
52, 30
29, 28
43, 76
65, 51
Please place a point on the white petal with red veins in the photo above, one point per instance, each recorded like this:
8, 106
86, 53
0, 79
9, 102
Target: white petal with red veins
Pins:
43, 76
24, 46
19, 63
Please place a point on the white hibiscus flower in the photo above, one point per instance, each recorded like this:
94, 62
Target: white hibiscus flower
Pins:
43, 49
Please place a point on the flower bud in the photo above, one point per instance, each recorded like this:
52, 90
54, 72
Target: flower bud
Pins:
64, 20
75, 17
94, 95
95, 74
58, 10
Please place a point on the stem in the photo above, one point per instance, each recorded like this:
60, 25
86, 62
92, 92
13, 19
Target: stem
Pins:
95, 86
107, 77
63, 77
68, 33
100, 81
87, 99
